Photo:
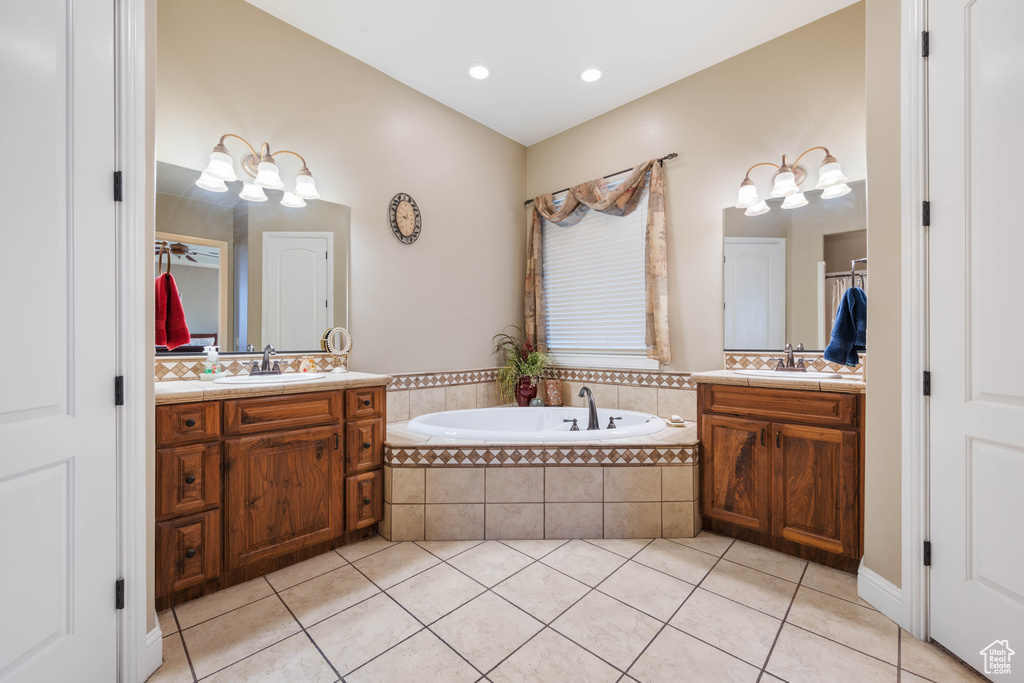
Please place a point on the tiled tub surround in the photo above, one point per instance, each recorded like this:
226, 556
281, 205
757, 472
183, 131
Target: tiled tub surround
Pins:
439, 489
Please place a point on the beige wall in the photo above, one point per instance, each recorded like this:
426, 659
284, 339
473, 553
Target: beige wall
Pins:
802, 89
430, 306
882, 532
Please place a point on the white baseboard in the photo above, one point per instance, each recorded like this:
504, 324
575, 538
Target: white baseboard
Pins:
153, 657
880, 593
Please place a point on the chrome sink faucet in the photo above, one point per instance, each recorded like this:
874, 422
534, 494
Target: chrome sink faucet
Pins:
592, 420
787, 364
265, 368
269, 351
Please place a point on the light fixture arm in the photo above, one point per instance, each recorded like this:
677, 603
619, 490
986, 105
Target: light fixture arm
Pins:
828, 155
304, 171
222, 148
763, 163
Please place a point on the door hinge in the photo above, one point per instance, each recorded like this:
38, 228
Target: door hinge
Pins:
118, 192
924, 43
927, 553
926, 213
119, 594
119, 390
927, 383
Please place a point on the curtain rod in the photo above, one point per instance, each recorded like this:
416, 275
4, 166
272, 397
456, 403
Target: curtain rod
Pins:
673, 155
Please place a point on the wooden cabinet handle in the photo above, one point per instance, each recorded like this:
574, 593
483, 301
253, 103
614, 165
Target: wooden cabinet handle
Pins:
190, 422
762, 437
337, 442
366, 445
190, 479
778, 439
190, 553
366, 402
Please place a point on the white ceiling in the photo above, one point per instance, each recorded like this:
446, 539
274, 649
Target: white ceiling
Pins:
537, 47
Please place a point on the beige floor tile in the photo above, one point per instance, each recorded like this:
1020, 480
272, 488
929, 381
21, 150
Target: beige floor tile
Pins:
584, 562
215, 604
407, 522
574, 485
490, 562
613, 631
452, 485
357, 551
632, 520
304, 571
573, 520
446, 549
486, 630
768, 678
455, 522
550, 657
832, 581
175, 668
802, 657
924, 659
541, 591
360, 633
327, 594
168, 624
627, 547
676, 560
730, 626
675, 656
766, 560
707, 542
858, 627
435, 592
514, 520
419, 659
293, 659
395, 564
650, 591
763, 592
907, 677
515, 484
535, 548
220, 642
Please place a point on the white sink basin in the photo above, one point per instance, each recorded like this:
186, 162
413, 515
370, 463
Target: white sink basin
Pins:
783, 374
285, 378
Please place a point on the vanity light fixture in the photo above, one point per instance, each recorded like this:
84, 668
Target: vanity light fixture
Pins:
786, 183
263, 170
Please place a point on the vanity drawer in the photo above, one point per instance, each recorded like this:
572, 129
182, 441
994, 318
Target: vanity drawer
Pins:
271, 413
188, 479
783, 405
187, 422
187, 551
364, 496
364, 402
364, 445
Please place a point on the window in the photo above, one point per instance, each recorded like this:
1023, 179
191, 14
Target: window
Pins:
595, 288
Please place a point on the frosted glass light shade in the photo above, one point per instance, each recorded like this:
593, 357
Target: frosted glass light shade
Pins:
207, 182
221, 167
747, 196
830, 175
785, 184
290, 200
268, 176
252, 192
795, 201
836, 191
305, 188
757, 209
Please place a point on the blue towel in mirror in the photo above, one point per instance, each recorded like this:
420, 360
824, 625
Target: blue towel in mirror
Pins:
849, 331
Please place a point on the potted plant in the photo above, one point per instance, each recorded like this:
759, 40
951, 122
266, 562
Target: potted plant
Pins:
524, 366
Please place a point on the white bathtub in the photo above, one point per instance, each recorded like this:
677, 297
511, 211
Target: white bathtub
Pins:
514, 425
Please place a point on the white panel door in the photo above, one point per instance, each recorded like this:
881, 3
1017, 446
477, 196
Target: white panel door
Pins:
57, 343
298, 273
755, 293
976, 110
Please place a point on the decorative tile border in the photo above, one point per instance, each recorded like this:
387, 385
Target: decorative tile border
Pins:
173, 368
426, 380
475, 456
632, 378
759, 361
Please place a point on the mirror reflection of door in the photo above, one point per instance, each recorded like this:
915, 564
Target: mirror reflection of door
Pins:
201, 276
298, 288
755, 292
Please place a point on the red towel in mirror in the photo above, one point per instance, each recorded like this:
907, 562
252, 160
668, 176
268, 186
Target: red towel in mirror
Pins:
171, 329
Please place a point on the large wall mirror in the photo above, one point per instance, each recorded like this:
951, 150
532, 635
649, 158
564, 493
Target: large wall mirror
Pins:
252, 273
786, 271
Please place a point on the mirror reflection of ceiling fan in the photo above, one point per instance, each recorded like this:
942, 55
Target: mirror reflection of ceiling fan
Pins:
180, 249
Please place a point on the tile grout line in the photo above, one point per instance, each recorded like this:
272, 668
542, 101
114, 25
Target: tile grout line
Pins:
184, 647
785, 618
304, 631
899, 653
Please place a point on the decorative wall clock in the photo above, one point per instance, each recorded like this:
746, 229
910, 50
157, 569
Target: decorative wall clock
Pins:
405, 219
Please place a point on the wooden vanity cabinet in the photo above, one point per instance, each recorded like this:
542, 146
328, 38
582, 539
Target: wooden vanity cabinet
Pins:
784, 468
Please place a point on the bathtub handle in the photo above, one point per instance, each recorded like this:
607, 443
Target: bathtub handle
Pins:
611, 422
575, 427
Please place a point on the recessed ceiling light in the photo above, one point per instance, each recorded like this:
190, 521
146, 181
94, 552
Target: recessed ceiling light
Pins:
479, 71
590, 75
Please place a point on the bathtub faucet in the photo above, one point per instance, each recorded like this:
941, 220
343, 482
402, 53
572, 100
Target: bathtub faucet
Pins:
592, 420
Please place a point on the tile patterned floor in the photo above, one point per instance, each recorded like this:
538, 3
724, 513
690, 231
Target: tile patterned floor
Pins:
701, 609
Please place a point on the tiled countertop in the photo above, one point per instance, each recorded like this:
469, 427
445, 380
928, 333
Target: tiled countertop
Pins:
399, 436
853, 385
188, 391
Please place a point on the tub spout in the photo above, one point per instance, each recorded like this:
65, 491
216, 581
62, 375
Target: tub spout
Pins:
592, 420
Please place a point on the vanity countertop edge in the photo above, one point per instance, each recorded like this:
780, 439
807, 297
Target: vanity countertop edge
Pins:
854, 385
189, 391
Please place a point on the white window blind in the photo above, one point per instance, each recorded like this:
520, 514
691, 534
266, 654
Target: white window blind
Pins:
594, 282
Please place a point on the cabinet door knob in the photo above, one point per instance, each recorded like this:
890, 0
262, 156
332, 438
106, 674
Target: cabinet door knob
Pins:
190, 422
366, 402
190, 479
190, 553
366, 445
366, 501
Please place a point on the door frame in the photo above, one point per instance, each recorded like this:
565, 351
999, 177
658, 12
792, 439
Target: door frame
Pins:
225, 279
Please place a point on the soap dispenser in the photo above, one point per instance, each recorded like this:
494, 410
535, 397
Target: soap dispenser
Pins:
212, 368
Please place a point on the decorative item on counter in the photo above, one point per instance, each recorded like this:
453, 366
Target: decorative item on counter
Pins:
337, 342
212, 368
523, 368
676, 421
552, 392
307, 364
536, 402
